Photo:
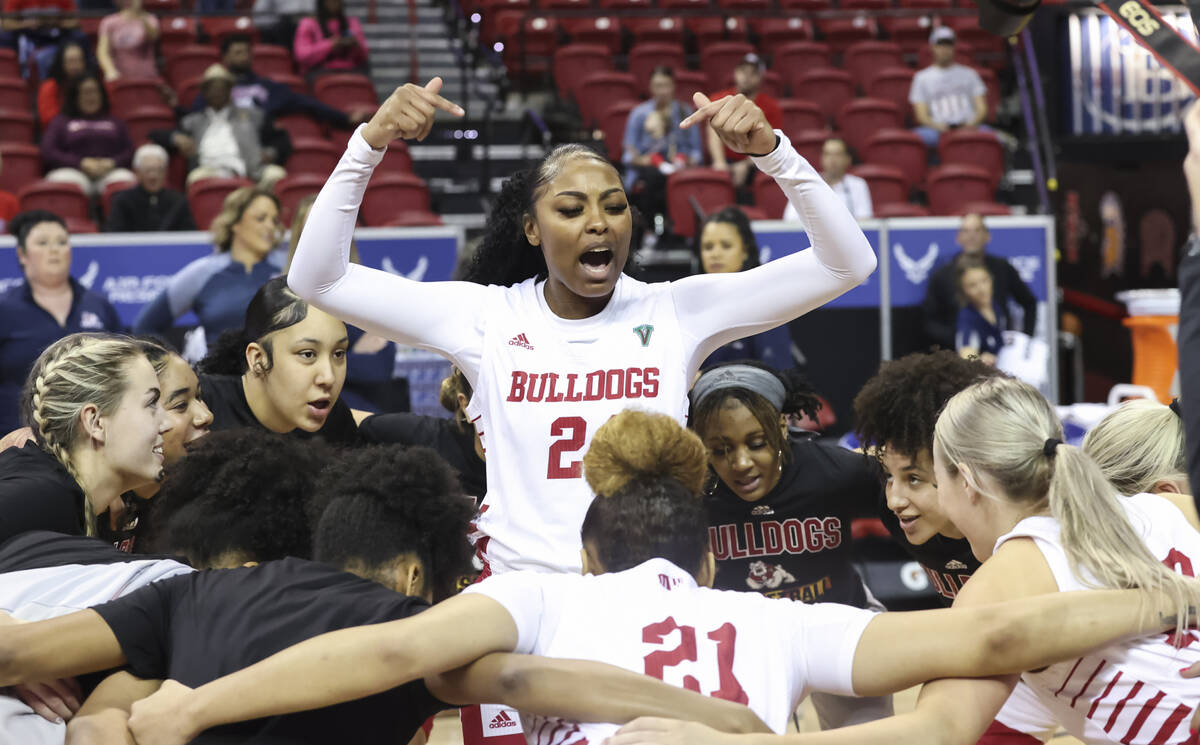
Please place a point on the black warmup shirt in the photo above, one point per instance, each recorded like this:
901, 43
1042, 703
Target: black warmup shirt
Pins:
37, 493
443, 435
199, 627
948, 561
225, 398
795, 541
39, 549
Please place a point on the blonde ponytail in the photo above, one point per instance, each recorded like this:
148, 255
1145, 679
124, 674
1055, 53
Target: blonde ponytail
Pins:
1139, 445
1000, 428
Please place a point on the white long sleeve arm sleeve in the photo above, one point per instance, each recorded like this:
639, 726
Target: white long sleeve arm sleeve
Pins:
439, 316
715, 309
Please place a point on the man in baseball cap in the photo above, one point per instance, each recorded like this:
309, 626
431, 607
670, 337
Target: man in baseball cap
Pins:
747, 79
946, 95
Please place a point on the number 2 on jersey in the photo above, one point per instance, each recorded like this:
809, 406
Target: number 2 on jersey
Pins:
561, 449
725, 638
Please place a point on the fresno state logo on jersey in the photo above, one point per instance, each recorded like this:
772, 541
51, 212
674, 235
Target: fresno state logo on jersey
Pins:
552, 387
767, 575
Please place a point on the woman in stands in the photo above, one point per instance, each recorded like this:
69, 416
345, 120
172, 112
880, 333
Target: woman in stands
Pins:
49, 305
218, 287
779, 515
125, 42
93, 402
979, 331
85, 144
644, 538
70, 63
282, 371
727, 244
330, 41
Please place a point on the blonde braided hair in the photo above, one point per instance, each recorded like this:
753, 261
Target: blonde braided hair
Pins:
76, 370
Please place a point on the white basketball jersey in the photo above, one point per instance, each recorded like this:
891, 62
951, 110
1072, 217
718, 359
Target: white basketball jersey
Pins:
545, 384
741, 646
50, 592
1132, 692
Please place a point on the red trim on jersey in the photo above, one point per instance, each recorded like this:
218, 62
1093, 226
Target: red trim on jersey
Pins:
999, 733
1089, 682
427, 727
1116, 712
1141, 718
1171, 724
476, 419
1069, 676
1102, 696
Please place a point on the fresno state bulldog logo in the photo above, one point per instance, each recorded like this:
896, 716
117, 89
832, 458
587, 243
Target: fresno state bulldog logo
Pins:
767, 575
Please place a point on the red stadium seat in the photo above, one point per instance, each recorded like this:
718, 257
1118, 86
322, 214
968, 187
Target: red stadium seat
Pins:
800, 115
926, 4
828, 88
711, 189
809, 143
863, 117
90, 27
872, 5
887, 184
64, 200
158, 7
806, 6
581, 5
986, 209
529, 43
613, 125
952, 186
709, 30
688, 5
390, 194
22, 162
16, 126
292, 189
206, 196
397, 159
752, 213
10, 66
664, 30
346, 91
968, 30
842, 32
900, 148
298, 85
413, 219
900, 209
111, 191
993, 91
573, 61
774, 33
142, 121
187, 92
972, 147
864, 57
752, 6
718, 59
768, 197
604, 31
176, 32
271, 60
600, 90
14, 93
490, 11
688, 82
313, 155
910, 32
78, 225
185, 63
643, 58
300, 125
799, 56
621, 5
220, 27
128, 94
892, 84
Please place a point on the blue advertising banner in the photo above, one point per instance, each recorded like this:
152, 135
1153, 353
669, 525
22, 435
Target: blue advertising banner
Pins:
778, 238
130, 269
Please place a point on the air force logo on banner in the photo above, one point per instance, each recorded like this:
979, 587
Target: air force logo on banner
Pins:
89, 277
416, 275
916, 270
1026, 266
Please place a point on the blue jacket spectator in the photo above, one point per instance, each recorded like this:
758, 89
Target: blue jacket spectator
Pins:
642, 143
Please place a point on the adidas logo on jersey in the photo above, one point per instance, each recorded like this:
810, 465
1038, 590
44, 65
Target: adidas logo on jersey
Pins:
502, 720
520, 340
762, 509
955, 564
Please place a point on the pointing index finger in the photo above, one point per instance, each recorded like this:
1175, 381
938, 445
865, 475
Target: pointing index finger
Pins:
430, 94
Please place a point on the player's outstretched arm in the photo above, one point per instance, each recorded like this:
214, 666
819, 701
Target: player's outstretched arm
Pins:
73, 644
584, 691
711, 307
330, 669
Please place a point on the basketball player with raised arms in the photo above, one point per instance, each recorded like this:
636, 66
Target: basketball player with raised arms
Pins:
646, 606
551, 334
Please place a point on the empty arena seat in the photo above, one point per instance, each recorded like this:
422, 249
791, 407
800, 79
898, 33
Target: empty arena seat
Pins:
952, 186
219, 28
709, 30
806, 6
16, 126
14, 93
667, 30
346, 91
206, 196
80, 225
795, 57
22, 162
711, 189
129, 94
298, 85
973, 147
829, 88
751, 6
187, 92
390, 194
600, 90
863, 117
809, 143
774, 33
413, 219
688, 82
865, 4
271, 60
143, 120
899, 148
909, 32
573, 61
187, 62
900, 209
926, 4
842, 32
313, 155
604, 31
892, 84
864, 57
176, 32
397, 159
986, 209
300, 125
292, 189
800, 115
688, 5
490, 11
644, 57
64, 200
768, 197
627, 4
613, 125
529, 43
10, 66
887, 184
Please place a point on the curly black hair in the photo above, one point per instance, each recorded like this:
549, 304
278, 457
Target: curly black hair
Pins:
385, 501
655, 518
246, 492
899, 406
505, 256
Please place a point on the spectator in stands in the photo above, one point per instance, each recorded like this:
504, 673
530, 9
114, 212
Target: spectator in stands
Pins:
225, 140
946, 95
941, 297
150, 205
85, 144
125, 44
835, 160
276, 20
219, 287
727, 244
253, 91
36, 28
8, 204
981, 320
70, 63
330, 41
748, 79
49, 305
655, 146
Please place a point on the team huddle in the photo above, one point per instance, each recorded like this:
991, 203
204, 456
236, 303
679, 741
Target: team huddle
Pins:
658, 557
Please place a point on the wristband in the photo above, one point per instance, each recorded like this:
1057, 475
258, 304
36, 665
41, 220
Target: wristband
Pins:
762, 155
